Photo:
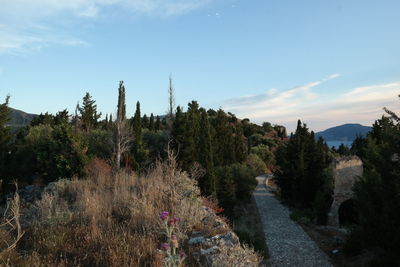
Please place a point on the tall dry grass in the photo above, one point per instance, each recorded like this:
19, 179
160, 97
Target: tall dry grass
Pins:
108, 219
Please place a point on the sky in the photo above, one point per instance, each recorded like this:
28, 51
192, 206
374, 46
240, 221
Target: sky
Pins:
324, 62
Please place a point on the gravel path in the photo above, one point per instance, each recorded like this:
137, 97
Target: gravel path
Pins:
288, 244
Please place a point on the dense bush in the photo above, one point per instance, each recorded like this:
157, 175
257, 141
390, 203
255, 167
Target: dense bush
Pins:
236, 182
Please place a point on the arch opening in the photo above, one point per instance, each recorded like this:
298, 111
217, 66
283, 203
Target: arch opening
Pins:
347, 213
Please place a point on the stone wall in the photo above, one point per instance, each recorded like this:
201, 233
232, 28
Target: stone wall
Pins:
346, 171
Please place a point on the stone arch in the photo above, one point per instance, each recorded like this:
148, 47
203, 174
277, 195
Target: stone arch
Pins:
345, 171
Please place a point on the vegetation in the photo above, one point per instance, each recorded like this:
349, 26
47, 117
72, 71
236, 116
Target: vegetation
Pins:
377, 193
303, 175
108, 181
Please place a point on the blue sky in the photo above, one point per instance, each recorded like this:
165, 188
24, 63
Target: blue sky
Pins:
325, 62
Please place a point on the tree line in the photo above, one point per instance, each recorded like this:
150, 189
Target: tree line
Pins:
229, 151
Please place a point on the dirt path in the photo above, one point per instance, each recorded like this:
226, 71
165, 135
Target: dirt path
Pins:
288, 244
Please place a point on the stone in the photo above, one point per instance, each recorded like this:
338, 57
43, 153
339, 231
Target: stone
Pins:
196, 240
346, 171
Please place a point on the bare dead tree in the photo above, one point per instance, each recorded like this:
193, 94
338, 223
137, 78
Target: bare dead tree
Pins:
123, 140
123, 136
171, 103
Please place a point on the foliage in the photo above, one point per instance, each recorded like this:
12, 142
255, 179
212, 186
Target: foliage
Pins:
256, 163
377, 192
88, 111
236, 182
301, 169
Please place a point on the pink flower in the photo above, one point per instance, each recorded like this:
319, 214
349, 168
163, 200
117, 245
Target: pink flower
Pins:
174, 221
164, 215
164, 246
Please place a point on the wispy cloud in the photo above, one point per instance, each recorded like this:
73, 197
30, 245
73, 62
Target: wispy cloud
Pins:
362, 104
17, 35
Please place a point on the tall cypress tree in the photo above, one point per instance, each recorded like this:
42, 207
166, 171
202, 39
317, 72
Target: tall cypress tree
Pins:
151, 122
157, 125
145, 121
189, 148
122, 131
240, 144
223, 140
137, 124
178, 131
139, 152
205, 157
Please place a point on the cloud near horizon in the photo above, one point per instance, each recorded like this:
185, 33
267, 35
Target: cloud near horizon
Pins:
25, 25
320, 111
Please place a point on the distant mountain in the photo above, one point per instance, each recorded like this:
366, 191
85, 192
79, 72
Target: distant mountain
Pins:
19, 118
346, 132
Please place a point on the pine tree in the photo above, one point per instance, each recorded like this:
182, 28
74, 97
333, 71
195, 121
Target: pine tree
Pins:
88, 112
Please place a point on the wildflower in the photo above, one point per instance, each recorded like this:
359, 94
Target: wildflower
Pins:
164, 246
164, 215
174, 221
174, 241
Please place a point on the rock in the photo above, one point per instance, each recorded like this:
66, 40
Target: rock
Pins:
196, 240
230, 239
209, 251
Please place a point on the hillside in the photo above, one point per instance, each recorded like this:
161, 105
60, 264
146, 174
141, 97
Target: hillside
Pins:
20, 118
346, 132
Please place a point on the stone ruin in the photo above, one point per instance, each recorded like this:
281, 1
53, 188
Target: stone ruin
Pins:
346, 171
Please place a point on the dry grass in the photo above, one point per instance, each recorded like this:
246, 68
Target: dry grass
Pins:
10, 230
107, 219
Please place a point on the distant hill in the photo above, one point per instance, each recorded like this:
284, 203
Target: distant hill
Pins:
346, 132
19, 118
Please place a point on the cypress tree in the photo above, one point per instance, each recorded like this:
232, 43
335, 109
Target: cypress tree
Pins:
137, 124
122, 132
157, 125
151, 122
178, 131
191, 135
121, 108
145, 121
205, 157
223, 140
240, 144
139, 152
